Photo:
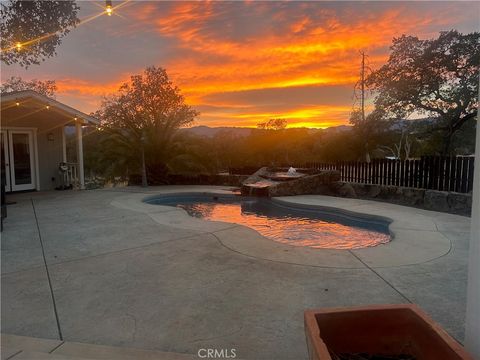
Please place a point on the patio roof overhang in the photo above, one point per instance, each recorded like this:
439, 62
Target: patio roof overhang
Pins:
22, 108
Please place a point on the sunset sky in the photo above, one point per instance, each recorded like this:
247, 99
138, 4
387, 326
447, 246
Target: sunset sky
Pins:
241, 63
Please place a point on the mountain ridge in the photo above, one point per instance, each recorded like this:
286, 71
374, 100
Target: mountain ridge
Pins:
207, 131
396, 124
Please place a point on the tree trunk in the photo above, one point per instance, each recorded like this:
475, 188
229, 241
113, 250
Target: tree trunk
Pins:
144, 169
453, 128
447, 143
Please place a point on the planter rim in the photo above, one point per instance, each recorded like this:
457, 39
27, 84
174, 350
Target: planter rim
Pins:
320, 348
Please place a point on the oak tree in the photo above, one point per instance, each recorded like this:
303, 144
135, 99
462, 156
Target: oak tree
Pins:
436, 77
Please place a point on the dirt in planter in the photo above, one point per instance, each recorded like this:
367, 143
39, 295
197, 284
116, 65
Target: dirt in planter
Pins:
365, 356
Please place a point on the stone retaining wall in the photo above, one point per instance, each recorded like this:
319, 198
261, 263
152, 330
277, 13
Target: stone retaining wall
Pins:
455, 203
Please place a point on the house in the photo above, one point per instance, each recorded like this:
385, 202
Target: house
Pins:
33, 142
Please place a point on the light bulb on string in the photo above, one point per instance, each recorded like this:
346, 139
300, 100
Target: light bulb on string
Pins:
108, 7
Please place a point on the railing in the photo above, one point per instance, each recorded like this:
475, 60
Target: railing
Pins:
429, 172
70, 174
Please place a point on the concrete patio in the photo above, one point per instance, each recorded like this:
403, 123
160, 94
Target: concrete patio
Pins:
123, 274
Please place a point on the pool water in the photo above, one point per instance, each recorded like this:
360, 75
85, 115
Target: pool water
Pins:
298, 226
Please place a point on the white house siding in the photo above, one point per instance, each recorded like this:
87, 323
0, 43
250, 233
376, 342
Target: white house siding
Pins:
50, 154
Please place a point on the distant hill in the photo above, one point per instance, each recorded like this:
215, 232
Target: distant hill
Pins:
206, 131
412, 124
339, 128
209, 132
396, 125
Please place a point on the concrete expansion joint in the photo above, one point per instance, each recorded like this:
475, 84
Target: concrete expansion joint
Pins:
56, 347
127, 249
278, 261
102, 254
381, 278
13, 355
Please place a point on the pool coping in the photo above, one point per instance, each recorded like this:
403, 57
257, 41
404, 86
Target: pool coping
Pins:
416, 238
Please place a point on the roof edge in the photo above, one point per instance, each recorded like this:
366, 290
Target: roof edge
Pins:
26, 94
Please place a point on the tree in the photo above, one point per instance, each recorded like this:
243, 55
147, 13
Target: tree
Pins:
370, 132
273, 124
435, 77
16, 83
358, 117
31, 30
143, 117
404, 146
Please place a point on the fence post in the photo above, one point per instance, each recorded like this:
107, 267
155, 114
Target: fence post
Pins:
370, 172
373, 178
453, 167
440, 174
404, 172
378, 172
464, 174
458, 175
447, 173
385, 171
426, 171
471, 165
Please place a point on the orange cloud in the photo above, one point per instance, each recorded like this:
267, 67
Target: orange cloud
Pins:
237, 47
77, 86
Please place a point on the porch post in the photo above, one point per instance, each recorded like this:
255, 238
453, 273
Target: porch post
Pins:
472, 319
78, 133
64, 145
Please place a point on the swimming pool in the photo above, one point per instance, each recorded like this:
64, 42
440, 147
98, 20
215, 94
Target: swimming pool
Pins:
314, 227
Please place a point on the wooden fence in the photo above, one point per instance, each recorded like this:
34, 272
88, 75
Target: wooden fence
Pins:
430, 172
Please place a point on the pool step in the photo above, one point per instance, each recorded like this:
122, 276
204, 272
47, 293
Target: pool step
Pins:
16, 347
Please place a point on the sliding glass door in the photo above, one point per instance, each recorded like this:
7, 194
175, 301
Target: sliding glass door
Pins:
19, 159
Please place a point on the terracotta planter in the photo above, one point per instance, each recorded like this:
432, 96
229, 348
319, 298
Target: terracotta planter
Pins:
378, 330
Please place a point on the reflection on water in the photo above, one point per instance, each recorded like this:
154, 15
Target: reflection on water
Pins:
287, 225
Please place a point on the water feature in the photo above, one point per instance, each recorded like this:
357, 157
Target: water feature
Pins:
287, 181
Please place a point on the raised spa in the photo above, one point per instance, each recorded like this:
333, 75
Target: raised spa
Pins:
316, 227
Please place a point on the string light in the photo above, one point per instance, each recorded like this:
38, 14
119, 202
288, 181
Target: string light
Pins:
109, 10
108, 7
17, 103
48, 107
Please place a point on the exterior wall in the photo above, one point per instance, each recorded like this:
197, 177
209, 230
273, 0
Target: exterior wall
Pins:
50, 154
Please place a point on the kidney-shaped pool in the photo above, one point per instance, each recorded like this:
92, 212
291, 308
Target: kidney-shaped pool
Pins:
316, 227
